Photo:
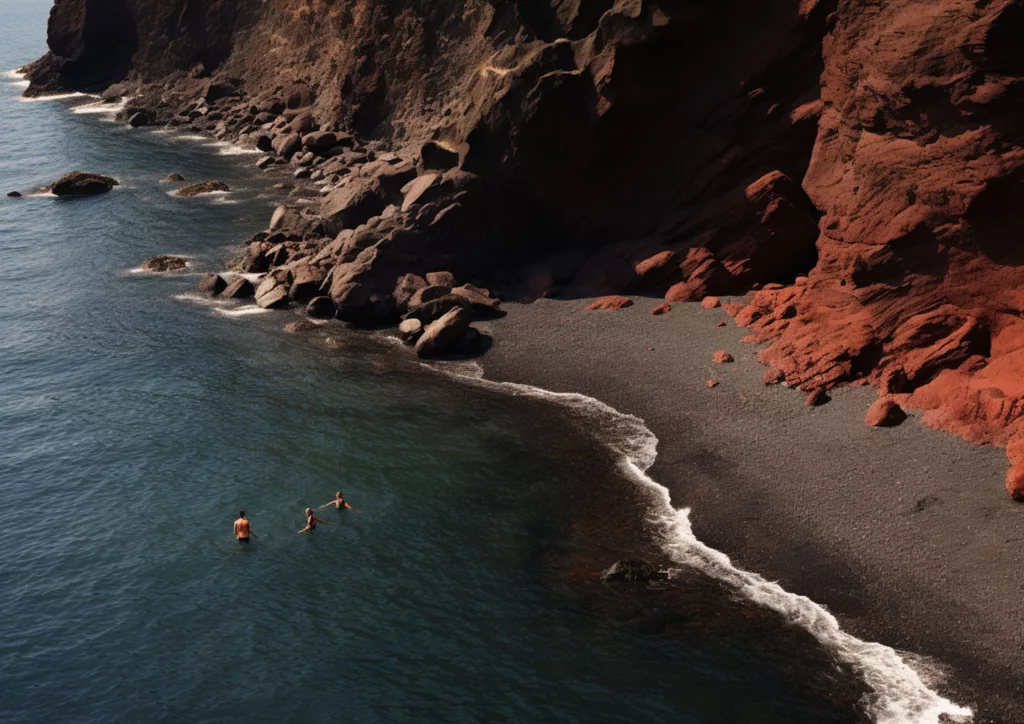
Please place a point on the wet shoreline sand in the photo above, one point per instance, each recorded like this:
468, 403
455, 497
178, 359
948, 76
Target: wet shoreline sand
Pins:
905, 534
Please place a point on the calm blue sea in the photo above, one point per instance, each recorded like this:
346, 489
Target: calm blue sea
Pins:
135, 422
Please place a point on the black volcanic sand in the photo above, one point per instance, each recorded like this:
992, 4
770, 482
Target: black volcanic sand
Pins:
906, 534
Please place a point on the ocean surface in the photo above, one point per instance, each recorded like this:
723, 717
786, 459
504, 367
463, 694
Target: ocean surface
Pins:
137, 418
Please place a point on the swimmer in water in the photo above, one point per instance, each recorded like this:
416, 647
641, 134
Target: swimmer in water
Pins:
311, 521
242, 528
338, 502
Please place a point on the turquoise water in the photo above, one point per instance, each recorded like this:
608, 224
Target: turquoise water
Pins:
137, 421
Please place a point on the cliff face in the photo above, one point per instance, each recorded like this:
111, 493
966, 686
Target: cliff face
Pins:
860, 162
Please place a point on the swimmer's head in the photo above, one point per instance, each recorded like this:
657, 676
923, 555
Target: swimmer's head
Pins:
241, 514
309, 511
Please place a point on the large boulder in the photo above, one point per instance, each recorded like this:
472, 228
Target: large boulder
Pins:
410, 330
240, 288
272, 293
319, 141
353, 204
406, 288
321, 308
352, 300
78, 183
306, 282
212, 284
443, 335
413, 191
287, 145
479, 300
165, 263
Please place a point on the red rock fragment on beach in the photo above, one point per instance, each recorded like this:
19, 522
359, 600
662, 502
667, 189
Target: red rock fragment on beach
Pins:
884, 413
711, 302
773, 376
722, 357
816, 398
661, 309
732, 309
658, 268
720, 324
609, 303
711, 384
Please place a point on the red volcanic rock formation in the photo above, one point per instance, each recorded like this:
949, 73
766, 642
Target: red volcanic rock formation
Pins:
884, 413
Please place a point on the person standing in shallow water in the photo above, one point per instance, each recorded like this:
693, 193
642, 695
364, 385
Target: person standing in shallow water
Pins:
311, 521
242, 528
338, 502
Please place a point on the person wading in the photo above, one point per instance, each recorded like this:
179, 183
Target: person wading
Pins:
311, 521
242, 528
339, 502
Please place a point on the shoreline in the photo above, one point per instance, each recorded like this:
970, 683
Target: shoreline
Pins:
885, 572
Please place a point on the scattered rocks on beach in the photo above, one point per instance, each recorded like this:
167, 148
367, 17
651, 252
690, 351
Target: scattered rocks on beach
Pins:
711, 384
212, 284
609, 303
79, 183
206, 187
710, 302
816, 398
165, 263
722, 357
884, 413
442, 336
773, 376
661, 309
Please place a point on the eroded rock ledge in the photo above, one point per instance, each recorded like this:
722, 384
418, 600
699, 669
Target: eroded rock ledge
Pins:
858, 165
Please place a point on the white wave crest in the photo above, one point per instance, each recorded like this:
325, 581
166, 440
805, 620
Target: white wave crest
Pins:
231, 149
901, 695
101, 108
14, 74
242, 311
54, 97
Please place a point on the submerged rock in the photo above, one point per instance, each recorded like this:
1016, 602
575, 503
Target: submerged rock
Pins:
14, 194
175, 178
79, 183
632, 571
206, 187
165, 263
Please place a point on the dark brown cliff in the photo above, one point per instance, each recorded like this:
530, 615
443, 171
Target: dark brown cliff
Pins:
857, 163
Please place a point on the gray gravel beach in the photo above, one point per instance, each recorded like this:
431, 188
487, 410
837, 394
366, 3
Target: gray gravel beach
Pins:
905, 533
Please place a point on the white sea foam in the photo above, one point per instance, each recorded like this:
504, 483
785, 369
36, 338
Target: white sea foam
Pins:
100, 108
14, 74
222, 199
901, 691
200, 195
231, 149
247, 311
54, 97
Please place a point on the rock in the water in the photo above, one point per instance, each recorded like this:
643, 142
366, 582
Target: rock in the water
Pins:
299, 326
212, 284
165, 263
722, 357
410, 330
240, 288
884, 413
265, 162
174, 178
139, 119
609, 303
444, 334
206, 187
78, 183
13, 194
306, 282
632, 571
271, 294
321, 308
